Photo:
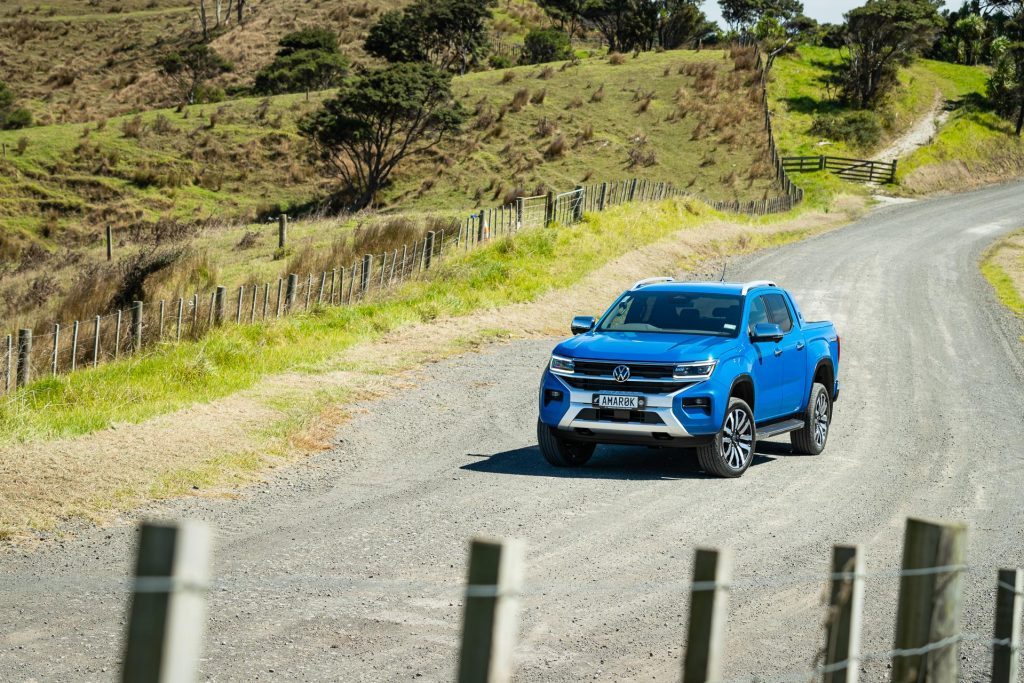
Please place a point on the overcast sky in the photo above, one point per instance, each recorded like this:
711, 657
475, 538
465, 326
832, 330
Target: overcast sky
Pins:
822, 10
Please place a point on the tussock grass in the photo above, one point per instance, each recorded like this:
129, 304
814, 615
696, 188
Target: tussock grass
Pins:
1003, 267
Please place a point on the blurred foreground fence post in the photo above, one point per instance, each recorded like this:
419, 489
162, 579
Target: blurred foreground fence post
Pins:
491, 611
168, 608
364, 274
843, 623
928, 612
428, 250
282, 231
24, 357
289, 297
110, 243
1006, 651
219, 294
705, 634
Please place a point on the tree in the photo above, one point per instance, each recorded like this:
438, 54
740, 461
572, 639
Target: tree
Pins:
546, 45
743, 14
882, 36
683, 23
624, 24
969, 31
306, 60
379, 119
451, 34
565, 14
12, 117
1006, 85
778, 37
190, 68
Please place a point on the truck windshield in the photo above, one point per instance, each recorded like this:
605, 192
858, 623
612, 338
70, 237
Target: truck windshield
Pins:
675, 313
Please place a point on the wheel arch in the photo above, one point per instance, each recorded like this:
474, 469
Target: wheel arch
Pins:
824, 374
743, 388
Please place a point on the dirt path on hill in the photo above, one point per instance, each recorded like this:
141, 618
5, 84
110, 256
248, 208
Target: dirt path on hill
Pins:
919, 135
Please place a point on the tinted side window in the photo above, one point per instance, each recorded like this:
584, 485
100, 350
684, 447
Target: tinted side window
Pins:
758, 313
778, 311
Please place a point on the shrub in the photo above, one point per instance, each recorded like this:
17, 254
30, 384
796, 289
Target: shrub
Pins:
15, 119
520, 100
508, 77
133, 128
616, 58
538, 97
556, 149
598, 95
499, 62
861, 128
546, 45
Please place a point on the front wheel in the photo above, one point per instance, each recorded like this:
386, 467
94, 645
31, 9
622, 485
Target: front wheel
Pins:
810, 440
732, 450
561, 452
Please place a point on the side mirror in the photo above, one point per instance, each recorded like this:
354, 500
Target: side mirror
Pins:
766, 332
582, 323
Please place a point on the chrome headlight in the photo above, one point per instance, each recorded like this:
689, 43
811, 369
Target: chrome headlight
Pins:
695, 371
562, 366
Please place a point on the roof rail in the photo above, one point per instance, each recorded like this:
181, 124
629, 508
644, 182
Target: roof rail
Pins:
651, 281
757, 283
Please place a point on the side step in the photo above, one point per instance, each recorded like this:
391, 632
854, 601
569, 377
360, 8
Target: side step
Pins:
777, 428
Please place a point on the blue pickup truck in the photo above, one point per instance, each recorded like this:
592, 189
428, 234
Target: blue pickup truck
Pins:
710, 366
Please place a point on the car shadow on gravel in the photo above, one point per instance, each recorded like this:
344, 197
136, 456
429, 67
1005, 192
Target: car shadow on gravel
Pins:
609, 462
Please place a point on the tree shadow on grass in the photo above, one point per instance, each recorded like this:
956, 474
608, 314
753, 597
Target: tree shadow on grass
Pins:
629, 463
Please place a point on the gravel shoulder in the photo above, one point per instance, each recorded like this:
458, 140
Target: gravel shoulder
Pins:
348, 565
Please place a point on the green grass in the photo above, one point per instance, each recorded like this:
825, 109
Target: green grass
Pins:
173, 376
1003, 267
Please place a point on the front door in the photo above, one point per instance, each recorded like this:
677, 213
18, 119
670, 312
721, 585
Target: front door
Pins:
768, 368
794, 357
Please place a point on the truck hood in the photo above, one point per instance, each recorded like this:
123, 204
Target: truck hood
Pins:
646, 346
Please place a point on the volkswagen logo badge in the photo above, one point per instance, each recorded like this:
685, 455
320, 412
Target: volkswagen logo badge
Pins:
621, 373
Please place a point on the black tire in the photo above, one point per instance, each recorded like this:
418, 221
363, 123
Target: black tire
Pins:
561, 452
812, 438
729, 455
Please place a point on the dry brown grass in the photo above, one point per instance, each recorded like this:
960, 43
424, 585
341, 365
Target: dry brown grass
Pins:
616, 59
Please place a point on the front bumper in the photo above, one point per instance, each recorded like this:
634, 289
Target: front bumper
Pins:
663, 419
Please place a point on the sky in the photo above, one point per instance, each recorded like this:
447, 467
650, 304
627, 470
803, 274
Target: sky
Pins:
822, 10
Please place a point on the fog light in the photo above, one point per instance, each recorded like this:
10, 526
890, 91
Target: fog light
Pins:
700, 402
552, 395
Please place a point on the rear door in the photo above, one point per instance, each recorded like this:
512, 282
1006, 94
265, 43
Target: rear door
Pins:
768, 366
794, 354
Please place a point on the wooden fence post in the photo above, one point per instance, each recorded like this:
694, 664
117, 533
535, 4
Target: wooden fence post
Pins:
220, 294
364, 274
577, 213
601, 197
177, 323
160, 331
334, 276
213, 308
24, 357
481, 227
238, 307
117, 335
9, 368
56, 348
309, 288
428, 250
74, 346
632, 189
95, 343
195, 312
1009, 599
928, 612
255, 296
266, 299
136, 326
705, 635
168, 607
846, 605
282, 231
323, 284
110, 243
490, 614
289, 297
892, 173
549, 209
277, 313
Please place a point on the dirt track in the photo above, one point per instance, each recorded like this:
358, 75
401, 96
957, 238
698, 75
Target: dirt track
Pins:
349, 568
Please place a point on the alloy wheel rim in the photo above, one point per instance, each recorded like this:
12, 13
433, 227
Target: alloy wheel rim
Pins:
820, 420
737, 438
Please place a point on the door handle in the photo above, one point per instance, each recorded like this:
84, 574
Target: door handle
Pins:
800, 346
778, 352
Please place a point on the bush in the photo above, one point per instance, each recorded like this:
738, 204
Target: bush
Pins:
499, 62
860, 128
15, 119
546, 45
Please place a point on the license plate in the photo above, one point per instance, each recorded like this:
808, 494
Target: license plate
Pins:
618, 402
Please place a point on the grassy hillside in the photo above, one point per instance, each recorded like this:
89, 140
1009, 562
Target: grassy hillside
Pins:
973, 145
682, 117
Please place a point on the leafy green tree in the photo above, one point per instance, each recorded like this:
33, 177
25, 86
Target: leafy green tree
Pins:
882, 36
969, 32
1006, 84
565, 14
306, 60
682, 23
190, 68
778, 36
546, 45
377, 120
744, 14
12, 117
624, 24
451, 34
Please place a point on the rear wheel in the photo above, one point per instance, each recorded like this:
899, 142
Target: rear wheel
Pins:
732, 450
562, 452
817, 418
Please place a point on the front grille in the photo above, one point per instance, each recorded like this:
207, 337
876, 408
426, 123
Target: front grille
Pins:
605, 368
611, 415
593, 384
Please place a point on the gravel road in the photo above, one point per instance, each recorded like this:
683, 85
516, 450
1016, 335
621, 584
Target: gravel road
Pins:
348, 567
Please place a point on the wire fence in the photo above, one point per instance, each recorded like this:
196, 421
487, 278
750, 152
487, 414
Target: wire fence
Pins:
928, 638
76, 345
